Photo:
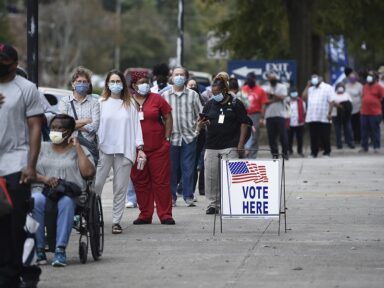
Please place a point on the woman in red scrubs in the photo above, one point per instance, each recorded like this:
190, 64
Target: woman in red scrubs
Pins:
152, 183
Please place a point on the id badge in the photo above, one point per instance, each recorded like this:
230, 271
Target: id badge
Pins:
141, 115
221, 118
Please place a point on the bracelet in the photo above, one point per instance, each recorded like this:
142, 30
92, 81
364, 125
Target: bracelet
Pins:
140, 148
168, 139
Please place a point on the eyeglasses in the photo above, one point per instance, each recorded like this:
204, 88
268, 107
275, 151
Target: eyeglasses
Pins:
81, 82
115, 81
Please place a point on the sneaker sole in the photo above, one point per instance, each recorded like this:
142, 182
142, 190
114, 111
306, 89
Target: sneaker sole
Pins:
41, 262
58, 264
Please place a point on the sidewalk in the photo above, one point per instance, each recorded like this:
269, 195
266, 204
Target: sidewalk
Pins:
335, 238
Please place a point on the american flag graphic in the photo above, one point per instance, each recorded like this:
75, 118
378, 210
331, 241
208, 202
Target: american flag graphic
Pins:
245, 172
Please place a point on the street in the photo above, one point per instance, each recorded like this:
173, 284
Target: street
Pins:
335, 238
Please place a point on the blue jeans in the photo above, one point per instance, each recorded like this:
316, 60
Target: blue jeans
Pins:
131, 194
65, 212
184, 157
370, 127
345, 125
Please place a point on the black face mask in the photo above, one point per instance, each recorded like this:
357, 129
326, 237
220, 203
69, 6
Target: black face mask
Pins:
273, 82
4, 69
251, 83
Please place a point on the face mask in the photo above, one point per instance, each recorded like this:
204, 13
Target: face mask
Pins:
340, 90
218, 97
82, 88
251, 82
273, 82
369, 79
143, 89
115, 88
352, 79
315, 81
294, 95
56, 137
179, 80
4, 69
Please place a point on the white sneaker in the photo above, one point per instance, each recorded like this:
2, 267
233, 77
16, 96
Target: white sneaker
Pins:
130, 205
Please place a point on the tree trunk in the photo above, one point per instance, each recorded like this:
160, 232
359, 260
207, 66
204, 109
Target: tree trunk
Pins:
300, 37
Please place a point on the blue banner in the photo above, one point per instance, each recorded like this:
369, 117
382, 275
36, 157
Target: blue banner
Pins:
338, 58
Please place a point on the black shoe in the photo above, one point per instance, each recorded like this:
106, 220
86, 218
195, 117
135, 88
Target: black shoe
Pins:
211, 211
168, 221
139, 221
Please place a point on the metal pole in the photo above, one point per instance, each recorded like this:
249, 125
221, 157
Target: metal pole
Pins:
118, 33
33, 41
180, 36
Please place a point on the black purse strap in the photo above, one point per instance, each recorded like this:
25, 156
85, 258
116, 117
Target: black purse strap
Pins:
75, 114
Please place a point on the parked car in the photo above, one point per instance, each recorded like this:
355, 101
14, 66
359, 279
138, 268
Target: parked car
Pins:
203, 78
53, 95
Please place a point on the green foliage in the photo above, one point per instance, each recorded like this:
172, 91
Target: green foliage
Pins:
4, 25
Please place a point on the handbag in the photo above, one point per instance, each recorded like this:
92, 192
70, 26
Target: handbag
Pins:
6, 204
91, 145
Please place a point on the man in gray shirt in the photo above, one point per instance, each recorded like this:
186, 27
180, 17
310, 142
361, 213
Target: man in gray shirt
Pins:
275, 114
20, 130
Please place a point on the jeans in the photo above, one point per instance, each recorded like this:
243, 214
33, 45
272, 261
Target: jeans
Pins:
370, 127
253, 142
345, 125
131, 194
65, 212
297, 131
183, 156
276, 128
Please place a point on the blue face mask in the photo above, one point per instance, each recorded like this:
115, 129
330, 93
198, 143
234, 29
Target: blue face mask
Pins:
115, 88
179, 80
82, 88
218, 97
294, 94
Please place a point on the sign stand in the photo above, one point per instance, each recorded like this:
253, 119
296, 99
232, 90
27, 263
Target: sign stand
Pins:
281, 209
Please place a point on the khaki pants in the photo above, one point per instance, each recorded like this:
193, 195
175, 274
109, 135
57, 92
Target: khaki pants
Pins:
212, 177
121, 173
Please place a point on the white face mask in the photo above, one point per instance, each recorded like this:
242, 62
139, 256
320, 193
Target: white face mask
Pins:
369, 78
143, 89
314, 81
340, 90
56, 137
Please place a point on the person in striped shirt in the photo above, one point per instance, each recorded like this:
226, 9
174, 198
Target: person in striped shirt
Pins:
186, 106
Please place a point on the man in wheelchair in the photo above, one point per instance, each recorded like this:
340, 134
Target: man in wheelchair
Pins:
62, 168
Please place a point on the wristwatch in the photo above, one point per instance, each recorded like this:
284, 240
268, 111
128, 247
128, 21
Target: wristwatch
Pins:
168, 139
140, 148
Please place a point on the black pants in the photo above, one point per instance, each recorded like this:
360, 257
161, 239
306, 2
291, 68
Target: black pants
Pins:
12, 234
276, 128
320, 136
298, 132
355, 122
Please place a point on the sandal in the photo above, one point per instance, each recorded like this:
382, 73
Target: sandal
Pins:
116, 229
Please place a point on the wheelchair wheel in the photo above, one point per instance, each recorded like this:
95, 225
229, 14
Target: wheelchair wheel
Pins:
83, 249
96, 226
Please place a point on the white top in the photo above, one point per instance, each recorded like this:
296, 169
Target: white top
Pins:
120, 130
338, 99
294, 122
356, 92
277, 109
319, 99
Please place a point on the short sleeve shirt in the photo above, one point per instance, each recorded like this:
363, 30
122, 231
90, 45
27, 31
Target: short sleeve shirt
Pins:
277, 109
154, 108
61, 165
372, 96
227, 134
21, 101
256, 97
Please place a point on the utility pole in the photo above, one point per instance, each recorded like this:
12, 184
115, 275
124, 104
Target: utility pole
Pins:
180, 36
33, 41
118, 35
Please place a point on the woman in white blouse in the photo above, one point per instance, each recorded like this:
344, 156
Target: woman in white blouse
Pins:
119, 137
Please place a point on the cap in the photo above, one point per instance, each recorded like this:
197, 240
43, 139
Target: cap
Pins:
8, 51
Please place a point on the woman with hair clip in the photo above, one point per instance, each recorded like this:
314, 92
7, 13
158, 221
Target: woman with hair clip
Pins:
120, 137
226, 123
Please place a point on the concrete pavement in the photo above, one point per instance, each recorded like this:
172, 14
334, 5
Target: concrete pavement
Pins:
335, 238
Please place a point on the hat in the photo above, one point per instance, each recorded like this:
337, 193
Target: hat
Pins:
8, 51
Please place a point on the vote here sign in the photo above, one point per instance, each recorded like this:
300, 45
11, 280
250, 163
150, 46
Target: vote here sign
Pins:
250, 188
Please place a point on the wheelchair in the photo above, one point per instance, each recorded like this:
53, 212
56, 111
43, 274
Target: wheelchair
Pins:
90, 226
